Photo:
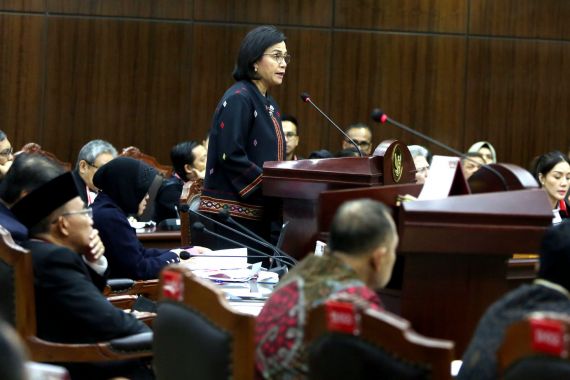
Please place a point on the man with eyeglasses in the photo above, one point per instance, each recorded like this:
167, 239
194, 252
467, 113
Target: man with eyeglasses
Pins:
291, 130
6, 154
362, 136
69, 275
91, 157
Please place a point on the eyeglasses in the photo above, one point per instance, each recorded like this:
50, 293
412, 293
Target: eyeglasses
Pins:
290, 134
7, 152
280, 58
86, 211
92, 165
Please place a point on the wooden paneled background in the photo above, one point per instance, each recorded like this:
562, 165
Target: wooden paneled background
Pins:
150, 72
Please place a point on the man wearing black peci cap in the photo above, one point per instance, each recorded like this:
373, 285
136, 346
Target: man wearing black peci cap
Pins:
70, 307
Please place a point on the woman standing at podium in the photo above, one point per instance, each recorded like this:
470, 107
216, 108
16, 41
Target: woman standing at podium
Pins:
246, 131
552, 171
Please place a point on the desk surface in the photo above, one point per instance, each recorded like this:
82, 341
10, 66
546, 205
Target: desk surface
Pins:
159, 239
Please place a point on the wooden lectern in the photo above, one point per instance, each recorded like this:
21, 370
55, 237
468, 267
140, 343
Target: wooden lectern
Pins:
453, 252
299, 184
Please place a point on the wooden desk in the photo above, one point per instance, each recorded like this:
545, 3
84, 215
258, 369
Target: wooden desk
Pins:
456, 254
160, 239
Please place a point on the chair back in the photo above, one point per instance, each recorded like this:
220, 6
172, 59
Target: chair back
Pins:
189, 200
195, 321
134, 152
536, 348
36, 148
17, 299
344, 342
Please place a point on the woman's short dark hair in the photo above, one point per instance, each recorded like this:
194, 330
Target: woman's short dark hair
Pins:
180, 155
543, 164
252, 48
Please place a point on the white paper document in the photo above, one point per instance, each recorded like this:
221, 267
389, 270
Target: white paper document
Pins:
441, 174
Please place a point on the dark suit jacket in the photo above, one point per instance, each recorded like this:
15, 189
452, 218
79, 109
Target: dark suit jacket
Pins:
126, 255
18, 231
81, 186
70, 307
167, 197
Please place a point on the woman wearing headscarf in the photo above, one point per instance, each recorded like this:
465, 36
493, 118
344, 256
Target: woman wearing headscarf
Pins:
124, 183
486, 150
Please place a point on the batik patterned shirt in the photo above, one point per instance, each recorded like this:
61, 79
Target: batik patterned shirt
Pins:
279, 333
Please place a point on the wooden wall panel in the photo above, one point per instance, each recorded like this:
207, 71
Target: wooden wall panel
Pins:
124, 81
22, 5
169, 9
211, 72
521, 18
291, 12
416, 79
517, 97
21, 73
448, 16
308, 71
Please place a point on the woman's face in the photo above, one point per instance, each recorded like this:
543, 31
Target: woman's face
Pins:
200, 155
556, 182
271, 66
487, 155
142, 205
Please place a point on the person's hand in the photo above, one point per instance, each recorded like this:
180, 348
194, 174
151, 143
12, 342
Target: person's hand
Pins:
198, 250
96, 247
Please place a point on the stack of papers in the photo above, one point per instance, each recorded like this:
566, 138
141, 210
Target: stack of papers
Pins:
228, 265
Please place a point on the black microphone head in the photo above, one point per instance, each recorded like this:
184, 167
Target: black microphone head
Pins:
184, 255
184, 207
378, 115
305, 97
198, 226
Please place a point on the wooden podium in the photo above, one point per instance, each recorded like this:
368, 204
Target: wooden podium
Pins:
299, 183
453, 252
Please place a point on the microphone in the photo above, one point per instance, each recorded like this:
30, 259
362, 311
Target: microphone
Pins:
225, 214
226, 217
199, 227
380, 117
307, 99
185, 255
283, 255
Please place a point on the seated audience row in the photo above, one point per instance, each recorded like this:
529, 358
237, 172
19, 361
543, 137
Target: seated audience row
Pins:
69, 266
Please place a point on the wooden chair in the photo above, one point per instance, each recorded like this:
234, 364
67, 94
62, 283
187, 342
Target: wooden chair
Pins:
126, 286
17, 306
36, 148
344, 342
536, 348
194, 320
134, 152
189, 199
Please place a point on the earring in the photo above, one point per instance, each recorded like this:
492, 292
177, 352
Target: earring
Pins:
255, 68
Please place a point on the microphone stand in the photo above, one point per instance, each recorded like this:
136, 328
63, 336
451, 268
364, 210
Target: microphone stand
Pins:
307, 99
282, 255
380, 117
198, 226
